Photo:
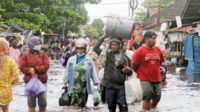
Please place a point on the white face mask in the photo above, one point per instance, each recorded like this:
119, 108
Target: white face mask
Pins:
37, 47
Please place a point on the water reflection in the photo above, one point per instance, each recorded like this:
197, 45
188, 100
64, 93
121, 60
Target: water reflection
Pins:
192, 79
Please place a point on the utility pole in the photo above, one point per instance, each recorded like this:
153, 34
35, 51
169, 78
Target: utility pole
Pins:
133, 4
159, 8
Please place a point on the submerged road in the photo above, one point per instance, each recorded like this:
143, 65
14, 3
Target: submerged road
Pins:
178, 94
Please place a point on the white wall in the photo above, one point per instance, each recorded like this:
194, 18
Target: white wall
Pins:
159, 40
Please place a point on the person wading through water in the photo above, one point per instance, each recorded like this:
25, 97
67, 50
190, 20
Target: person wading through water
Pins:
117, 68
146, 61
35, 63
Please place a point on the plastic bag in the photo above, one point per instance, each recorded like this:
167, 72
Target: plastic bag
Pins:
34, 87
62, 59
133, 90
90, 101
101, 73
96, 96
64, 100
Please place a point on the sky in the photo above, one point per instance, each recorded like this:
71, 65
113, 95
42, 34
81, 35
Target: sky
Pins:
107, 7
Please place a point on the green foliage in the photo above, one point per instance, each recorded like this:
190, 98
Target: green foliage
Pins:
21, 7
1, 11
88, 29
48, 15
20, 13
95, 29
24, 24
141, 16
2, 23
98, 24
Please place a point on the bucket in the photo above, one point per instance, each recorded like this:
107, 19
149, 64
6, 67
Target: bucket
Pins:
119, 27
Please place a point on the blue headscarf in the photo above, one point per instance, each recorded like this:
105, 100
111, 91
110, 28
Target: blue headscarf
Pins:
33, 42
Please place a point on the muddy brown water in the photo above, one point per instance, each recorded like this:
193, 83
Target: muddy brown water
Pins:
180, 94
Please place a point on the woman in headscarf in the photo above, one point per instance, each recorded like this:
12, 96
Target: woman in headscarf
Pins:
80, 73
9, 75
14, 51
35, 63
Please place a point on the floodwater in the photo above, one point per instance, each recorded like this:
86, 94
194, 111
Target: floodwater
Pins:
180, 94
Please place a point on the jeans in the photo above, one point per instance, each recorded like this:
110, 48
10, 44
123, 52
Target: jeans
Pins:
116, 97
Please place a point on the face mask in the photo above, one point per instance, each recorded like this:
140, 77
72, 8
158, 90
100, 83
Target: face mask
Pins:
37, 48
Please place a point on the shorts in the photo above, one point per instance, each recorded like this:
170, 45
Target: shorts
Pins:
151, 90
41, 98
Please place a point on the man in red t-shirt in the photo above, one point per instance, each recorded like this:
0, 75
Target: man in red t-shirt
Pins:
146, 62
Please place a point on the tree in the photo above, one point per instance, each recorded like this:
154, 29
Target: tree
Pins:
94, 29
98, 24
2, 24
21, 13
89, 30
49, 15
141, 16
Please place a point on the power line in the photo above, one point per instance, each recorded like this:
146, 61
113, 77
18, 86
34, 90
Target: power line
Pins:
112, 3
96, 4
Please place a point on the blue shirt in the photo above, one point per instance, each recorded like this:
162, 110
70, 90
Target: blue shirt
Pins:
80, 58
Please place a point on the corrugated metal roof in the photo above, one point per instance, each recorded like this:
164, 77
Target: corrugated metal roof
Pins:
182, 29
169, 13
192, 12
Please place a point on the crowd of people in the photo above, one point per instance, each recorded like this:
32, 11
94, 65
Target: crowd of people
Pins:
103, 63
